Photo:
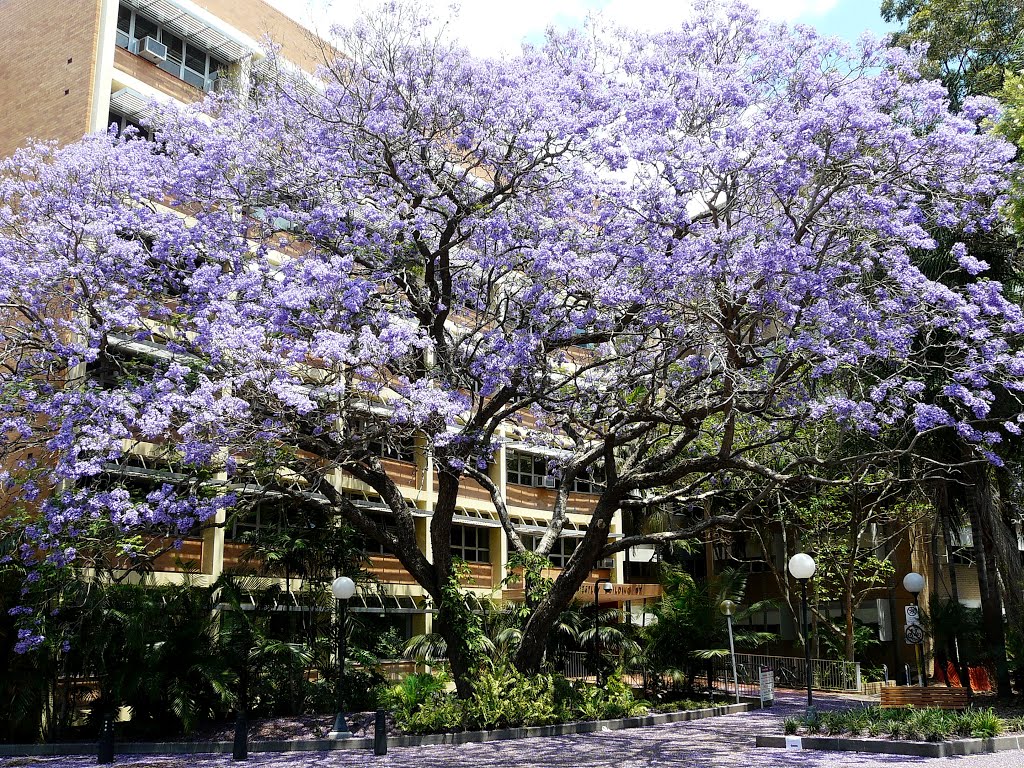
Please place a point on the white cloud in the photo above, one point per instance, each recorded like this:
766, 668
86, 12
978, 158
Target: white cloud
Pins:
490, 28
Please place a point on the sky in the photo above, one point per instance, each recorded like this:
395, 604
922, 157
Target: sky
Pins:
490, 28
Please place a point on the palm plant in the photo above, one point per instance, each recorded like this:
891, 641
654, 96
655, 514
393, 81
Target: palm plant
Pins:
691, 629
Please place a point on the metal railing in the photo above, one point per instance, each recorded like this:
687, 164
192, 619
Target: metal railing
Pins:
576, 665
791, 671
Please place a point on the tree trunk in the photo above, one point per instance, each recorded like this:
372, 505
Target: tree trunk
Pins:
530, 653
980, 500
848, 609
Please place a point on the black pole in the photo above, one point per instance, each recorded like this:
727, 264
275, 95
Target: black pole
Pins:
105, 746
597, 632
341, 730
920, 646
895, 633
380, 734
240, 747
807, 648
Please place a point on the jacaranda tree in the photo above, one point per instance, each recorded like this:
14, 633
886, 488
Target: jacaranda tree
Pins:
661, 254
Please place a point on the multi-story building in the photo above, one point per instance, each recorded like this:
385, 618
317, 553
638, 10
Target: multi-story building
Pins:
68, 69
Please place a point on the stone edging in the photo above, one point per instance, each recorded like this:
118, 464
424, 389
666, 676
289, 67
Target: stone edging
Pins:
909, 748
324, 745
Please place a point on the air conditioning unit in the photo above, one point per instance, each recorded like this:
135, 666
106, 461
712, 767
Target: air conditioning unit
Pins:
549, 481
151, 49
218, 84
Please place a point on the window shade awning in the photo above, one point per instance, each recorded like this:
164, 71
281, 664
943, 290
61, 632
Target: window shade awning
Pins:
194, 29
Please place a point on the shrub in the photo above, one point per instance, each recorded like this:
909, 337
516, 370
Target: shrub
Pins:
617, 699
914, 726
420, 703
985, 724
832, 723
790, 726
856, 721
441, 712
937, 725
505, 698
813, 723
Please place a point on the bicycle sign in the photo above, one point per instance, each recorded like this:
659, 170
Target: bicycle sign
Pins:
913, 634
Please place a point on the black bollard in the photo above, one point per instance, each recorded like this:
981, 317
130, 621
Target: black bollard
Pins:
105, 747
380, 733
240, 751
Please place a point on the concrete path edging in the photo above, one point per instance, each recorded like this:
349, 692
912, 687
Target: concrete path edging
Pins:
906, 748
324, 745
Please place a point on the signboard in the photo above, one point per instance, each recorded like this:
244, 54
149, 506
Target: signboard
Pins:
913, 634
619, 593
794, 742
913, 614
767, 686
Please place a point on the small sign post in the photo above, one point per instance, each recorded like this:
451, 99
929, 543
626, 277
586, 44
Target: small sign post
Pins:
767, 679
913, 614
794, 742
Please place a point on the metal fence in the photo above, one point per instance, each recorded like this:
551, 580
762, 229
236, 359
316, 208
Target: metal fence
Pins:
791, 671
577, 665
716, 675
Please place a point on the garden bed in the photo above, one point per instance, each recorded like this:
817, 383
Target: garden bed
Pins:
408, 740
923, 732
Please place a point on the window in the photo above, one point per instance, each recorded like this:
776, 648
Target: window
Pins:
186, 61
525, 469
961, 547
471, 543
122, 122
561, 552
589, 481
262, 517
400, 448
373, 547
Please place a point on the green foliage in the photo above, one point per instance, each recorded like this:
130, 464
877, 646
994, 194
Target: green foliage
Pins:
690, 628
464, 624
504, 698
985, 724
908, 723
970, 44
421, 704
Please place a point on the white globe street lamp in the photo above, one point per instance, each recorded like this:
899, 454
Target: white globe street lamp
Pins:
728, 609
913, 582
342, 588
802, 567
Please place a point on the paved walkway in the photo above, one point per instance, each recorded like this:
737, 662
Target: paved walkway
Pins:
719, 742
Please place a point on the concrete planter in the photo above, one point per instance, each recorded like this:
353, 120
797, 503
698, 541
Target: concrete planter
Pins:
908, 748
324, 745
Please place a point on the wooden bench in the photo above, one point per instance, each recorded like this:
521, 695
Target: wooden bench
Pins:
938, 697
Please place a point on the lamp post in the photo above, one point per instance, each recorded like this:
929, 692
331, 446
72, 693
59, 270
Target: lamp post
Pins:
914, 582
801, 566
597, 624
342, 588
728, 608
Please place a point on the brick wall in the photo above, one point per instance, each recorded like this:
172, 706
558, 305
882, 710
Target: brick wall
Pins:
47, 62
152, 75
257, 19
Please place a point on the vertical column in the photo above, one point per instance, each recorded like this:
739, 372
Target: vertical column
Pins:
103, 71
213, 540
618, 573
